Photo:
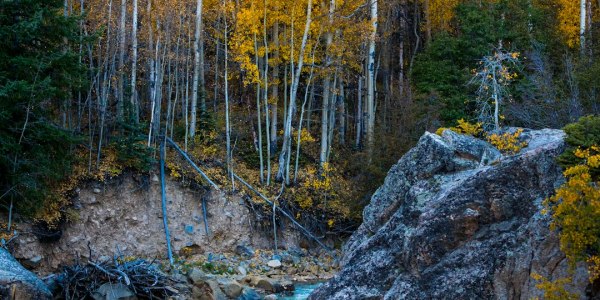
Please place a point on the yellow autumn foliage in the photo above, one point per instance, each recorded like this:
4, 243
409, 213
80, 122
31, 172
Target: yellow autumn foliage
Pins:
464, 127
554, 290
507, 142
575, 210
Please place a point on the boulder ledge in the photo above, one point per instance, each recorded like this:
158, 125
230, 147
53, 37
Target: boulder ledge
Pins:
456, 219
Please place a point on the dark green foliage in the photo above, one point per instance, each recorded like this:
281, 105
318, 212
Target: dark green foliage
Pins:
442, 71
582, 134
132, 151
37, 74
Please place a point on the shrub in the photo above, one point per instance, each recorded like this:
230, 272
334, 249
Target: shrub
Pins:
575, 206
464, 127
584, 134
507, 142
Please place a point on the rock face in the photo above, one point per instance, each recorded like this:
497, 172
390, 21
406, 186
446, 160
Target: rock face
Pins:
455, 219
18, 283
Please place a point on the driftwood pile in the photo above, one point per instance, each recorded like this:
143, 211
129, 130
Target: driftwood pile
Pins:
141, 277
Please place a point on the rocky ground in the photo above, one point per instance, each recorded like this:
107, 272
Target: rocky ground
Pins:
251, 274
246, 274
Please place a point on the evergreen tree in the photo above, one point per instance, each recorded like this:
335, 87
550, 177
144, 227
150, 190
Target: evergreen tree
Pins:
38, 72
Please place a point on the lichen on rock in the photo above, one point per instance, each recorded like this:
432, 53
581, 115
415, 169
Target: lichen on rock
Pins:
456, 219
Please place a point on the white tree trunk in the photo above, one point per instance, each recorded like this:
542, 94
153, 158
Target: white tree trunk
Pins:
582, 23
192, 129
151, 59
359, 112
121, 85
275, 89
287, 129
371, 79
227, 126
325, 111
258, 117
134, 42
265, 94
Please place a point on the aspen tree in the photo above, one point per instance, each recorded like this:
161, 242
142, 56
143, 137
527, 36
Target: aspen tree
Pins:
287, 131
582, 23
325, 109
121, 85
371, 79
134, 111
192, 130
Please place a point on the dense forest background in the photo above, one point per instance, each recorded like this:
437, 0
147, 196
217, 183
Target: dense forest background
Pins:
310, 101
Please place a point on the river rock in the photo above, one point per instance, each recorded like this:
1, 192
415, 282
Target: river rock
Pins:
244, 250
113, 291
216, 291
33, 262
231, 288
242, 270
249, 294
267, 285
274, 263
18, 283
455, 219
270, 297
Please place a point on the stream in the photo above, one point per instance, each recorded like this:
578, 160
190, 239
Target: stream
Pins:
301, 292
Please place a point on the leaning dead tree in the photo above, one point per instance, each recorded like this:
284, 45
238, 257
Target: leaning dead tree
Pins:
493, 79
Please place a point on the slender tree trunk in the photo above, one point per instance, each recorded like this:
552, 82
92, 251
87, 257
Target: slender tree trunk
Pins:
134, 109
298, 137
427, 9
216, 81
371, 80
287, 131
121, 85
266, 92
325, 121
192, 130
331, 110
258, 116
187, 93
106, 87
359, 113
202, 78
80, 59
311, 99
177, 79
151, 59
582, 23
342, 115
275, 89
325, 108
227, 126
401, 47
285, 91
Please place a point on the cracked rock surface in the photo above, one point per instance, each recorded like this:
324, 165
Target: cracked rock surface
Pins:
456, 219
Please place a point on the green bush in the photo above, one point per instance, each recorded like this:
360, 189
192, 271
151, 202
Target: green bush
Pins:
582, 134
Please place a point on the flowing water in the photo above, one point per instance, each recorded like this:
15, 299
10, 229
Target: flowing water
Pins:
301, 292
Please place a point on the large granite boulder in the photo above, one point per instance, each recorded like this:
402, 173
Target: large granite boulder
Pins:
18, 283
455, 219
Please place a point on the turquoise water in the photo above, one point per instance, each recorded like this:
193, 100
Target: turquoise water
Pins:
302, 291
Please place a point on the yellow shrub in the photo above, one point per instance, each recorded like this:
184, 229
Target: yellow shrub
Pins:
463, 127
554, 290
575, 210
507, 142
594, 267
